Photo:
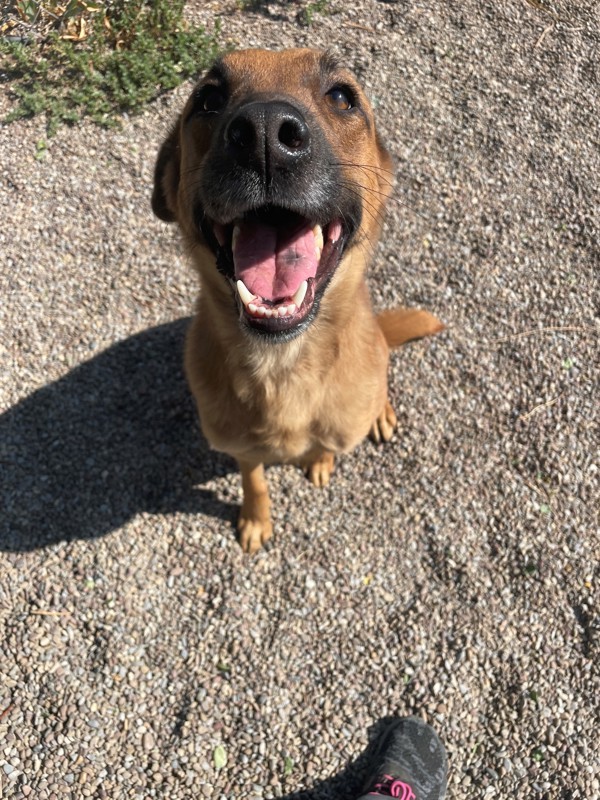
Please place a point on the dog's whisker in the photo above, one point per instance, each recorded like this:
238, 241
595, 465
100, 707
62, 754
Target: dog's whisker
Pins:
389, 198
372, 167
191, 170
375, 189
409, 207
377, 212
367, 189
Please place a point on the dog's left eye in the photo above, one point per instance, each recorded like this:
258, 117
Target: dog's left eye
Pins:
340, 98
210, 100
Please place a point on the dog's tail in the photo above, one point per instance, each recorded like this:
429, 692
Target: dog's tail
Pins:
401, 325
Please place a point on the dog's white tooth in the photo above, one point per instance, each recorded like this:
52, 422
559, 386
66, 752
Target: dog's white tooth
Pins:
262, 311
282, 311
335, 231
298, 298
269, 313
318, 234
245, 293
252, 308
291, 308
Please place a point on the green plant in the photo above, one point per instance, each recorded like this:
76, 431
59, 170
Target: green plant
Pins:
306, 16
537, 755
29, 10
288, 766
101, 60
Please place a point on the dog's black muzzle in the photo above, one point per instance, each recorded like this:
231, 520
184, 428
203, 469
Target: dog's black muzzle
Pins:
269, 152
268, 137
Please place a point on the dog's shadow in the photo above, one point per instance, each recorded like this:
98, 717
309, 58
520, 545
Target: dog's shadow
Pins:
116, 436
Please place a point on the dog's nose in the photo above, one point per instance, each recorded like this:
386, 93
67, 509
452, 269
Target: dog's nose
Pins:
268, 135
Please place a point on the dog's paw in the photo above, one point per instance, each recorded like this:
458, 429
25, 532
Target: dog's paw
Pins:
319, 474
319, 471
253, 533
385, 424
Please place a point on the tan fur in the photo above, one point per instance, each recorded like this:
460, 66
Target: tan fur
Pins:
319, 394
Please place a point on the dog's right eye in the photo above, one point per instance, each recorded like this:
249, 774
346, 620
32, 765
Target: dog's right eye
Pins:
209, 100
340, 98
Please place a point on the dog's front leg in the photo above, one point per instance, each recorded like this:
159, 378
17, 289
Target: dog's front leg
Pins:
254, 523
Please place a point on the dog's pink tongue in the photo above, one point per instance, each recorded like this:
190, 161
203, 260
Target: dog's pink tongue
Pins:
273, 262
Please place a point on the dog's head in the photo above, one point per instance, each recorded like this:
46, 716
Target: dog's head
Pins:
275, 167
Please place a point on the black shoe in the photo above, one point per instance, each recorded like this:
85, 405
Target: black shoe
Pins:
410, 763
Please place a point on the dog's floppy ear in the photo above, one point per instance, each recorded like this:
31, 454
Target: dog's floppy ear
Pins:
166, 177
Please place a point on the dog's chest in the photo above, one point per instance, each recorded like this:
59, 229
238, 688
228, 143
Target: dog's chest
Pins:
281, 404
281, 418
272, 417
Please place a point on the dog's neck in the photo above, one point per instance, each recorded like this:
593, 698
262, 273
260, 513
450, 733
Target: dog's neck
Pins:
267, 361
259, 365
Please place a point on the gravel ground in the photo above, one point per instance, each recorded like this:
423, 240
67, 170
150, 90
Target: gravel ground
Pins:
453, 574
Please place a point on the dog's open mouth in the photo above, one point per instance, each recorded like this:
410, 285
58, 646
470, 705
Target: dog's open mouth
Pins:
279, 263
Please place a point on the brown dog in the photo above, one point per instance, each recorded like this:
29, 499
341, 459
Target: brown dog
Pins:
278, 180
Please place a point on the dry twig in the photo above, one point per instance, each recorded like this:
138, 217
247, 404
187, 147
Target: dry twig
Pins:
548, 329
540, 407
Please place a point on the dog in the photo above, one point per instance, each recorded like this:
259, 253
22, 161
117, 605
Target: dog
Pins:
278, 180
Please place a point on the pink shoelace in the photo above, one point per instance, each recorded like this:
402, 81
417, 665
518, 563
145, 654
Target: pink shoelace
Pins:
391, 787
